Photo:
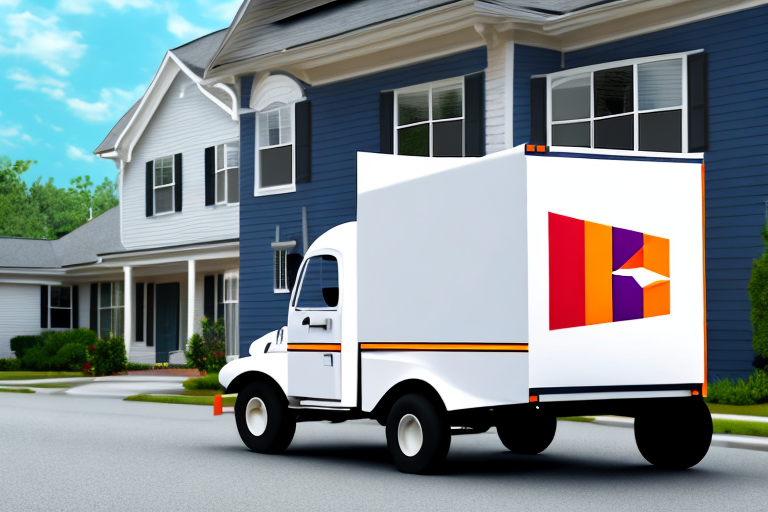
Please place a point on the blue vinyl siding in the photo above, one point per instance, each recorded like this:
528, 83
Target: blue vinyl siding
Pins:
345, 119
736, 164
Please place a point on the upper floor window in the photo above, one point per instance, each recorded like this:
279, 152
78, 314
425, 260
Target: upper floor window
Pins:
635, 105
164, 187
227, 177
282, 135
429, 119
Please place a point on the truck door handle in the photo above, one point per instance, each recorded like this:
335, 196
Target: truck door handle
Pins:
326, 325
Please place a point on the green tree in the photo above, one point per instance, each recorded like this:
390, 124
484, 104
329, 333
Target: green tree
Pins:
45, 210
758, 298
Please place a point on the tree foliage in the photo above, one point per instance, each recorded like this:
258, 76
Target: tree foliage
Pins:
44, 210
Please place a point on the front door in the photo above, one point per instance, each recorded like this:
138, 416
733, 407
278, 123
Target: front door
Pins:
314, 332
166, 320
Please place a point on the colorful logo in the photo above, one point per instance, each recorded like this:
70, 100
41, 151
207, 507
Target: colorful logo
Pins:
600, 274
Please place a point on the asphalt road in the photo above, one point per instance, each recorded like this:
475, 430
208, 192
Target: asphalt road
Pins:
80, 454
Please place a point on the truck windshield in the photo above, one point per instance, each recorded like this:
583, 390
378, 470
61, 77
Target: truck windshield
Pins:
320, 285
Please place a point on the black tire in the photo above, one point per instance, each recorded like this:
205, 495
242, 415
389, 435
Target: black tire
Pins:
427, 456
271, 433
675, 435
527, 433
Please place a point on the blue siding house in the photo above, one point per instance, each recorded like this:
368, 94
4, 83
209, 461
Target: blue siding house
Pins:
318, 83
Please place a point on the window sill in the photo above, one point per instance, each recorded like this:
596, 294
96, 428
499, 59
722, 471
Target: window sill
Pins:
164, 214
283, 189
625, 153
282, 291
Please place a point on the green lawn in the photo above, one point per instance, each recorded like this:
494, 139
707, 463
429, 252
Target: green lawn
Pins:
583, 419
749, 410
179, 399
37, 375
747, 428
16, 390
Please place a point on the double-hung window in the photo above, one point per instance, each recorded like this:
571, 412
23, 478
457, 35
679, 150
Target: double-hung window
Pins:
231, 319
61, 307
164, 185
111, 309
227, 178
635, 105
429, 119
275, 158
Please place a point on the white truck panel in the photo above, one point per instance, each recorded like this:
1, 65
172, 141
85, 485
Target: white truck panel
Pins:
663, 199
441, 249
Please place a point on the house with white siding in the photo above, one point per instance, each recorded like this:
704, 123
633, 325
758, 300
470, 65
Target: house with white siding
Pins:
168, 255
320, 80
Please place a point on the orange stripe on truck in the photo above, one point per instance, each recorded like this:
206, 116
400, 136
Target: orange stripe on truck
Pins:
468, 347
314, 347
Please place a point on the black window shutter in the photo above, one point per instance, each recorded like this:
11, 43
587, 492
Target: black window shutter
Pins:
75, 308
139, 334
177, 180
474, 115
94, 307
44, 307
387, 122
150, 315
303, 142
538, 111
150, 197
210, 176
208, 292
698, 103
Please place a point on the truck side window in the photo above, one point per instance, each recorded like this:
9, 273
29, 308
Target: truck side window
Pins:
320, 286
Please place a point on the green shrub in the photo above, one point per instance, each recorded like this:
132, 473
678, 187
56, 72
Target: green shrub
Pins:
35, 359
210, 381
753, 391
758, 298
53, 341
10, 365
107, 357
71, 356
206, 352
133, 367
20, 344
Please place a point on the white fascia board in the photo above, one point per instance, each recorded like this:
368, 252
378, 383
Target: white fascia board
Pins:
231, 111
149, 103
213, 251
228, 35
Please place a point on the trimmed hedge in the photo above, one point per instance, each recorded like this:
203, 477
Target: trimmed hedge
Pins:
750, 392
59, 351
20, 344
758, 298
10, 365
210, 381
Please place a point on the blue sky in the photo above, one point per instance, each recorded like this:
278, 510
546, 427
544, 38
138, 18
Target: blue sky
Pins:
69, 69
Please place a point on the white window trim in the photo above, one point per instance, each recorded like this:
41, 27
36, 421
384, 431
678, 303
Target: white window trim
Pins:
228, 276
429, 86
51, 306
635, 113
110, 307
156, 187
276, 255
279, 189
226, 174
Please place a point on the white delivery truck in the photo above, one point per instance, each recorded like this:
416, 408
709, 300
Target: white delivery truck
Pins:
501, 291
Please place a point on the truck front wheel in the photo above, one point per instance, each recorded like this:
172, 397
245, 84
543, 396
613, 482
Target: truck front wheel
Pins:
418, 435
264, 422
675, 435
529, 433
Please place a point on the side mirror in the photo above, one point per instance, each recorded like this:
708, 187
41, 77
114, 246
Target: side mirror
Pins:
293, 262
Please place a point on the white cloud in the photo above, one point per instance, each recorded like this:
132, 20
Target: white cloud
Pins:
220, 10
28, 82
183, 29
11, 131
9, 3
42, 40
112, 102
9, 143
78, 154
87, 6
26, 138
57, 128
38, 119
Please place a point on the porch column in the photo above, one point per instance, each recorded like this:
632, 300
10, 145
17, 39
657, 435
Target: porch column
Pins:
128, 309
190, 300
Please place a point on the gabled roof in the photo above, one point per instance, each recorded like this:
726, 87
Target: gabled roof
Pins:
192, 58
81, 246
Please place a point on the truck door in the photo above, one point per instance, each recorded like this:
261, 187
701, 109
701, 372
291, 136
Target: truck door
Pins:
314, 332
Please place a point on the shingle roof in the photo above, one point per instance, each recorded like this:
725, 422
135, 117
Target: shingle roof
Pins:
83, 245
108, 144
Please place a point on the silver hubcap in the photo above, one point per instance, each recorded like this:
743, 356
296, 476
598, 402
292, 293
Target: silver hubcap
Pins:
409, 435
256, 416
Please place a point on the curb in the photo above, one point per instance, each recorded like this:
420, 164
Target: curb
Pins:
720, 440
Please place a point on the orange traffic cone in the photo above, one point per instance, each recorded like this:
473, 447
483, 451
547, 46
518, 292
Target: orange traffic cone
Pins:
217, 405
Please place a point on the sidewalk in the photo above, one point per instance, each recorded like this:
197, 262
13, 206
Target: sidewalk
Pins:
118, 386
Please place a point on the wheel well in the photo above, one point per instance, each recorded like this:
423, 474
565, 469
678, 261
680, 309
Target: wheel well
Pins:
246, 378
381, 411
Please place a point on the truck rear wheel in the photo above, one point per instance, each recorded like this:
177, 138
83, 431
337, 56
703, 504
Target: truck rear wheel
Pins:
264, 422
529, 433
418, 435
675, 436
